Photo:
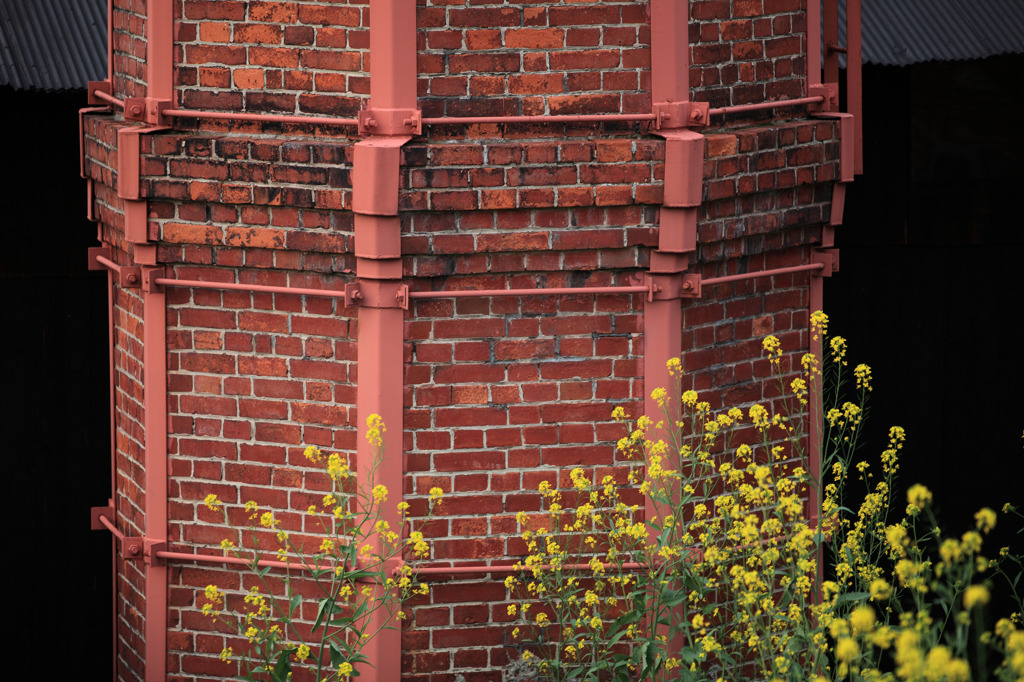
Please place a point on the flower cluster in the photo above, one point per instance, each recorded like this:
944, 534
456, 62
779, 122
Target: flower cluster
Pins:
724, 567
361, 567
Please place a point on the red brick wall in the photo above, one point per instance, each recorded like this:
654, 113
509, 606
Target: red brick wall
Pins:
291, 57
129, 48
747, 51
499, 393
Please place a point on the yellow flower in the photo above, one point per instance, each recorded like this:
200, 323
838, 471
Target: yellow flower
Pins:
985, 520
819, 324
212, 502
880, 590
226, 654
863, 376
862, 619
847, 649
380, 493
436, 494
975, 595
936, 663
345, 669
302, 653
919, 496
375, 430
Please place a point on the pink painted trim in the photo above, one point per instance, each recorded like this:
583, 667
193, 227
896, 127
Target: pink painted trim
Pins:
813, 43
264, 288
469, 120
557, 118
154, 368
298, 291
160, 50
99, 94
551, 291
766, 105
235, 561
109, 525
110, 48
510, 568
762, 273
269, 118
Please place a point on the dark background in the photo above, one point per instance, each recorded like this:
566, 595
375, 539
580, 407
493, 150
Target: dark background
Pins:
930, 292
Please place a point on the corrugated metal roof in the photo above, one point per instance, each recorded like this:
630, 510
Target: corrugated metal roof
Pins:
52, 44
902, 32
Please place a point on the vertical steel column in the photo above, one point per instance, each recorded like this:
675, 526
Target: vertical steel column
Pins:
389, 120
677, 229
154, 354
830, 12
813, 44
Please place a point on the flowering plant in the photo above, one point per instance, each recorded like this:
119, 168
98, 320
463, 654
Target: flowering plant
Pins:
725, 574
356, 570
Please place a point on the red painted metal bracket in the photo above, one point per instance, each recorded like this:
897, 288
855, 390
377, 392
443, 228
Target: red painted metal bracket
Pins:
672, 286
847, 144
390, 122
146, 110
669, 115
151, 552
667, 263
375, 168
98, 86
95, 251
838, 203
684, 168
829, 92
128, 276
827, 257
96, 512
377, 294
128, 163
149, 277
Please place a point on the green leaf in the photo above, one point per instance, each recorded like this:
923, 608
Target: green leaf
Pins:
852, 596
337, 658
325, 609
283, 666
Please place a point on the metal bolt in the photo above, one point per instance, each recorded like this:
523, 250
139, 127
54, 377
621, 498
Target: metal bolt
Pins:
371, 123
134, 550
357, 295
136, 110
687, 286
131, 278
696, 115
